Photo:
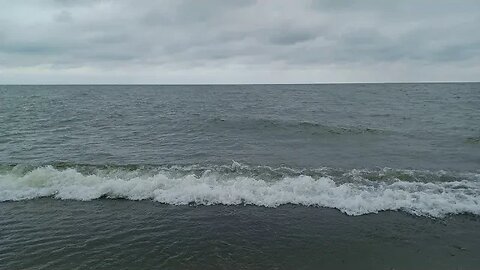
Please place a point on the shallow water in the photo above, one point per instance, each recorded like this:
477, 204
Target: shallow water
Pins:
122, 234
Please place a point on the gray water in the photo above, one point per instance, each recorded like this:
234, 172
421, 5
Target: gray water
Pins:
347, 176
420, 126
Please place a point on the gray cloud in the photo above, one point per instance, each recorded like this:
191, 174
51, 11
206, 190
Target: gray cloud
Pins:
63, 16
238, 41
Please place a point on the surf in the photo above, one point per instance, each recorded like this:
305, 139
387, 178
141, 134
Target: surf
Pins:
354, 192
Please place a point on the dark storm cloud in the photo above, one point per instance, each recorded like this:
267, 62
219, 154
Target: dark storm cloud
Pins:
197, 37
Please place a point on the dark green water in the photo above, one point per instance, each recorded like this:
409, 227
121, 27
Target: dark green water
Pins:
360, 176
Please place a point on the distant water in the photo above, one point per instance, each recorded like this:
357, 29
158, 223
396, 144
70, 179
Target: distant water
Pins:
354, 176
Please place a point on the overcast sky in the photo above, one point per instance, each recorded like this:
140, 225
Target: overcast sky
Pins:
220, 41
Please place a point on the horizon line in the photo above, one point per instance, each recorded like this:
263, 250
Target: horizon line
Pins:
200, 84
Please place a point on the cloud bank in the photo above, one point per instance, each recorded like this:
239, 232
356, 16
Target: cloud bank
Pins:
245, 41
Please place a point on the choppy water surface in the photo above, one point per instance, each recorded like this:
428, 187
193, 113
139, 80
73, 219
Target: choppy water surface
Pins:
386, 168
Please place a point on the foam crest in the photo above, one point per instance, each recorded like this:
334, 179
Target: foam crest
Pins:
353, 197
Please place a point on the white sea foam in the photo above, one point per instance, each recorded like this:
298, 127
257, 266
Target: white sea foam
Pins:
434, 199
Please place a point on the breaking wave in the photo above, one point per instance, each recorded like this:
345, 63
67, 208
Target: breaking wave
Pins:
354, 192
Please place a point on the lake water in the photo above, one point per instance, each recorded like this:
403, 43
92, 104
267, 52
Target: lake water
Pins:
344, 176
